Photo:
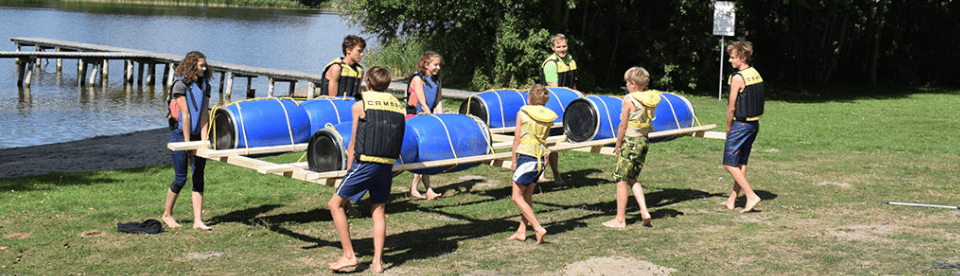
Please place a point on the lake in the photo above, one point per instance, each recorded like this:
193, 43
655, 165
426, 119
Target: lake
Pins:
55, 109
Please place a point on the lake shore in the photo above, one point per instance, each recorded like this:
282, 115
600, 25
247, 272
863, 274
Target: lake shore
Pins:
123, 151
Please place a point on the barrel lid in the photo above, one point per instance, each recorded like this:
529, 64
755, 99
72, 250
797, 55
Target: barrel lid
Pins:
224, 130
326, 151
581, 120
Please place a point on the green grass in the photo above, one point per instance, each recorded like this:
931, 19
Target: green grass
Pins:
822, 165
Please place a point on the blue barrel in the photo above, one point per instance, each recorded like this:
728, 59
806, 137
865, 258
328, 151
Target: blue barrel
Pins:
259, 122
449, 136
426, 138
673, 112
496, 108
592, 118
327, 148
560, 98
328, 110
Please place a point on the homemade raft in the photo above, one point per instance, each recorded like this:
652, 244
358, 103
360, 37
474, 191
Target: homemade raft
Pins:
437, 143
498, 108
598, 117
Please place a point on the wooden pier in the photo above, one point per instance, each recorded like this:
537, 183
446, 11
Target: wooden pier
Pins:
98, 56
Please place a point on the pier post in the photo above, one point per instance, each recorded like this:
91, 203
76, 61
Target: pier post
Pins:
251, 93
36, 61
270, 86
222, 75
21, 70
310, 87
17, 59
128, 71
151, 73
94, 69
81, 72
105, 72
293, 87
140, 72
59, 61
29, 74
229, 86
169, 77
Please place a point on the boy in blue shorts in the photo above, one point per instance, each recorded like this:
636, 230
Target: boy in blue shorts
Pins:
378, 125
529, 148
743, 122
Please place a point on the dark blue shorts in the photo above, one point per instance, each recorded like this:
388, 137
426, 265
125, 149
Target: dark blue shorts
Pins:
527, 170
367, 176
740, 142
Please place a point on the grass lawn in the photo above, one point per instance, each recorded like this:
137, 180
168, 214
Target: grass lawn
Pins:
822, 164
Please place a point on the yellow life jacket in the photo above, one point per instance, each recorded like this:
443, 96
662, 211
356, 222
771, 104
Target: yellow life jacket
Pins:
537, 121
645, 107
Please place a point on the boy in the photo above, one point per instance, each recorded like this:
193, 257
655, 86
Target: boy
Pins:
631, 149
378, 125
743, 122
529, 147
341, 77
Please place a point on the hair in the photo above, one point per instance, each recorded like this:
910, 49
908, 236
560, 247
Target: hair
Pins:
637, 75
351, 40
743, 48
425, 58
539, 95
557, 37
378, 79
188, 67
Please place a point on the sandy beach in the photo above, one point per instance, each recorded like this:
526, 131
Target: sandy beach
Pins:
131, 150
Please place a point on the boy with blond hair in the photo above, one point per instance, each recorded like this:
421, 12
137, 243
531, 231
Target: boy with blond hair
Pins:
529, 148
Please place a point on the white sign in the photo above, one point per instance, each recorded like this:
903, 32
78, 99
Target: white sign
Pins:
724, 18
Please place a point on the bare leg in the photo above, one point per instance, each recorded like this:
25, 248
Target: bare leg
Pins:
167, 216
521, 234
519, 198
379, 236
620, 221
641, 200
413, 187
351, 210
553, 158
739, 174
349, 259
197, 210
431, 195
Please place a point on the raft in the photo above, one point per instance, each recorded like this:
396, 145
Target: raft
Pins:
498, 108
259, 122
598, 117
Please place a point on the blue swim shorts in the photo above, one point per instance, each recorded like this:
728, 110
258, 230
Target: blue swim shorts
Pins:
527, 171
367, 176
740, 142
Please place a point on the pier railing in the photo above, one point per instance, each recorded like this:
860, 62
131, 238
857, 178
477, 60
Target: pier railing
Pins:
98, 57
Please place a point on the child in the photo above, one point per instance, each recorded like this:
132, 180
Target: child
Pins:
424, 96
342, 76
378, 125
631, 149
191, 97
529, 147
743, 122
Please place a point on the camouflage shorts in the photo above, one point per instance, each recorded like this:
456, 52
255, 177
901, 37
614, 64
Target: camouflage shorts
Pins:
633, 152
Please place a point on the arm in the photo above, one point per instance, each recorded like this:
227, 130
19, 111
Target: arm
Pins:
439, 109
333, 80
516, 143
357, 115
736, 85
624, 119
417, 84
185, 120
205, 120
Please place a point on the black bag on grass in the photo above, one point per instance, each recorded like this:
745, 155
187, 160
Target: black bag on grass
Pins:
150, 226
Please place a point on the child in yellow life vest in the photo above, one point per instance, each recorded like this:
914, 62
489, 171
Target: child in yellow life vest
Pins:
638, 111
529, 148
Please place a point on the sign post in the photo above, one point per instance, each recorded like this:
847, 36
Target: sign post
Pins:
724, 19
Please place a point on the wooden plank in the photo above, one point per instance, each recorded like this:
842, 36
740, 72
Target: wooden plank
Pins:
416, 166
275, 168
211, 153
192, 145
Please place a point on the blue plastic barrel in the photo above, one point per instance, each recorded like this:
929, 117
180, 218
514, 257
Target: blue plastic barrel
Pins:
327, 148
560, 99
673, 112
259, 122
328, 110
592, 118
495, 108
448, 136
426, 138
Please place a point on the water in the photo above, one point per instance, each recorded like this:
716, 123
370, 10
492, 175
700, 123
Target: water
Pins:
55, 109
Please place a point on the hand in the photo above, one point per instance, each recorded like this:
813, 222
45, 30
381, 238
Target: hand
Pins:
616, 150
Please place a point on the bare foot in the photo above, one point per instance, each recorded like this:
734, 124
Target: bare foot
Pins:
540, 233
342, 263
559, 181
751, 202
376, 266
416, 194
432, 195
172, 223
729, 204
613, 223
353, 212
202, 226
517, 237
646, 220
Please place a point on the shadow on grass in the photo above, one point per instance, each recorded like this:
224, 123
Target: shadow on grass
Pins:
252, 217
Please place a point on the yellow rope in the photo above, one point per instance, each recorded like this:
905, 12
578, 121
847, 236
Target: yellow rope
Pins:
675, 119
486, 130
502, 122
289, 125
605, 108
450, 141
